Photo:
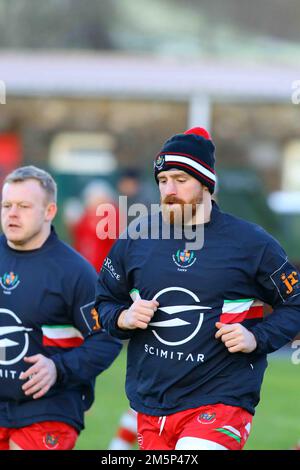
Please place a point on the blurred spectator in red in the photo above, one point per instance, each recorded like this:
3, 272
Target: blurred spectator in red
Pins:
11, 152
94, 231
125, 437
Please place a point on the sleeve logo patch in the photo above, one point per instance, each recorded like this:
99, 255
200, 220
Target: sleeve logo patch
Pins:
95, 316
290, 281
286, 281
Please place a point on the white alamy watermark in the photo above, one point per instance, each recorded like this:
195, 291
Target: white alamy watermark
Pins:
140, 222
296, 92
2, 92
296, 354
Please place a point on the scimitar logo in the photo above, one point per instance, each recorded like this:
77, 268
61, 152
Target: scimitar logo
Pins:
190, 322
14, 338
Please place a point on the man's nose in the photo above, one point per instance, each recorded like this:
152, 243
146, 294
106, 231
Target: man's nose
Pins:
13, 211
170, 188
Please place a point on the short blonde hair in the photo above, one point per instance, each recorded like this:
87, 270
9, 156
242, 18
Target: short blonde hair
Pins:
32, 172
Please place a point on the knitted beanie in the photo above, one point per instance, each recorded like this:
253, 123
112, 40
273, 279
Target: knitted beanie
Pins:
192, 152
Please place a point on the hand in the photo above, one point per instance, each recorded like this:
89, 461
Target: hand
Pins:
138, 315
236, 337
42, 375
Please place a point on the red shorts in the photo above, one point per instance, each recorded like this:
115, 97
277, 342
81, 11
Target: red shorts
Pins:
46, 435
207, 427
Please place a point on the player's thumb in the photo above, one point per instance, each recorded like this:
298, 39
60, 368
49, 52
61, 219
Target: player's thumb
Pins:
219, 324
135, 295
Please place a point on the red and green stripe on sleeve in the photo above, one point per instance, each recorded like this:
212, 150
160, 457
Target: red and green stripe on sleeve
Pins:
236, 311
61, 336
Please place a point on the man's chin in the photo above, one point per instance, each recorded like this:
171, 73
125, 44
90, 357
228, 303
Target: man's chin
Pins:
14, 238
172, 217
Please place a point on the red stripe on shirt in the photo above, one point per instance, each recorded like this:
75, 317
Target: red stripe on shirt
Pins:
253, 312
62, 342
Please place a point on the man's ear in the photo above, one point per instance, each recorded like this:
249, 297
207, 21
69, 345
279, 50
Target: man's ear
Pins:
51, 211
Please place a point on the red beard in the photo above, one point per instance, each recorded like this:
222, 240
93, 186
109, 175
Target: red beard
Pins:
183, 215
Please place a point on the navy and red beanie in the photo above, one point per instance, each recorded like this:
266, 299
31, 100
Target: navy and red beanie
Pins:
192, 152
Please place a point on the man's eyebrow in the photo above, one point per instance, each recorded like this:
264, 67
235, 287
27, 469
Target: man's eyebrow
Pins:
23, 201
173, 175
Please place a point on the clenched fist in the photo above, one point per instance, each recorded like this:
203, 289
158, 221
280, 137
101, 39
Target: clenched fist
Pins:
236, 337
138, 315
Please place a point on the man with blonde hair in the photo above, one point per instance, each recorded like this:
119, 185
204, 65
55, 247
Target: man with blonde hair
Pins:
51, 344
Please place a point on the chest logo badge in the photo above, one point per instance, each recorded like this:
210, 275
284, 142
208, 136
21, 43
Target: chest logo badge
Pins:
184, 259
9, 281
